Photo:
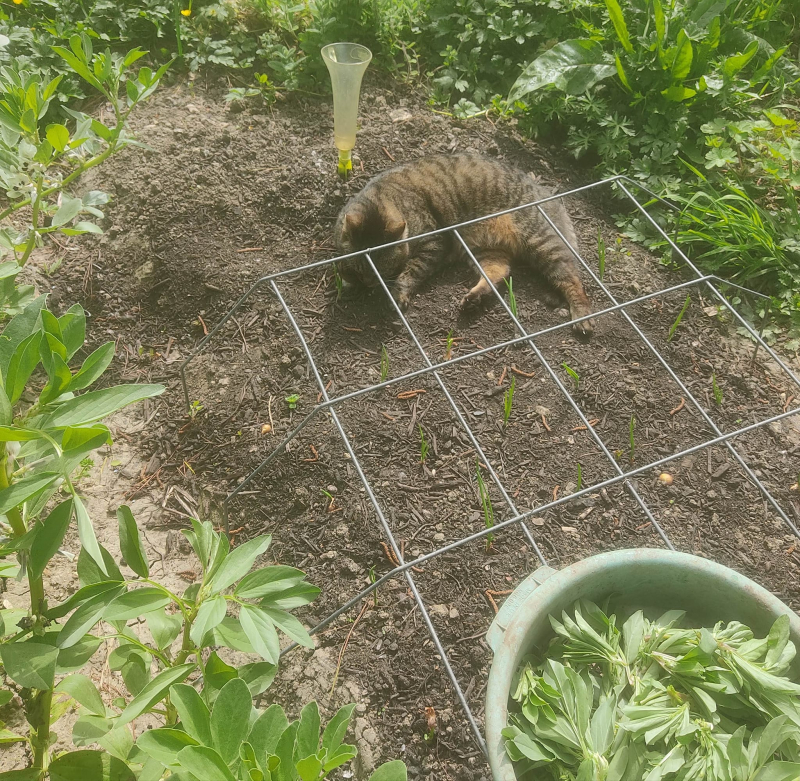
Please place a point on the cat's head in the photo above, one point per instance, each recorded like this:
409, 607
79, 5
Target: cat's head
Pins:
364, 225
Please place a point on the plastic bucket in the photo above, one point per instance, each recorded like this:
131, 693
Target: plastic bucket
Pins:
641, 578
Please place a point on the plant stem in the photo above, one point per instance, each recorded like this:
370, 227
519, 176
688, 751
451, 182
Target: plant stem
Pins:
37, 204
39, 713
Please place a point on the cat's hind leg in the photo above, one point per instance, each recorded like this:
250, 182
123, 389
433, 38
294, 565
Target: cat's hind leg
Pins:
496, 264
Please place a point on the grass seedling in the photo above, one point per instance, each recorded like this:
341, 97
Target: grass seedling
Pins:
631, 440
678, 319
448, 348
508, 400
331, 501
372, 578
572, 373
337, 281
601, 254
486, 503
580, 477
292, 400
718, 397
512, 299
384, 363
423, 446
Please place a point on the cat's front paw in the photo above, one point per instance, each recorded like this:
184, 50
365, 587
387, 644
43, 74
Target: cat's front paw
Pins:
584, 328
403, 299
472, 300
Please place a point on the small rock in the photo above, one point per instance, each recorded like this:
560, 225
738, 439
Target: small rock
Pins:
454, 613
400, 115
439, 610
540, 410
536, 521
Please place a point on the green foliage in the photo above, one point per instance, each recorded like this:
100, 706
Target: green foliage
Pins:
486, 504
39, 158
718, 397
674, 327
384, 363
512, 299
291, 400
576, 378
650, 700
508, 400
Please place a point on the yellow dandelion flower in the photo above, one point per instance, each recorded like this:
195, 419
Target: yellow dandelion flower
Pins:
18, 2
184, 12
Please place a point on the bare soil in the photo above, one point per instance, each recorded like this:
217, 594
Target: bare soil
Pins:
225, 197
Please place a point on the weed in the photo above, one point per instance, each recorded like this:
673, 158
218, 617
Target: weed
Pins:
337, 282
372, 579
448, 348
718, 397
292, 400
384, 363
51, 268
512, 299
508, 400
631, 439
674, 326
195, 408
423, 446
331, 501
572, 373
86, 466
486, 503
601, 254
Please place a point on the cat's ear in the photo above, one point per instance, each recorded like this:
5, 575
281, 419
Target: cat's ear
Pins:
353, 220
394, 229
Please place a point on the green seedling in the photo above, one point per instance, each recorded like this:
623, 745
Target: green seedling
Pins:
718, 397
337, 281
51, 268
631, 439
331, 501
674, 326
423, 446
292, 400
572, 373
601, 254
448, 349
195, 408
580, 476
508, 400
372, 579
384, 363
486, 503
512, 299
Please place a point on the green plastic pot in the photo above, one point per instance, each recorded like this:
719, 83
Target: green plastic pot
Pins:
642, 578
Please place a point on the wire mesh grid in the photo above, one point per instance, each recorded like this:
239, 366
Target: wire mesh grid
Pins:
328, 405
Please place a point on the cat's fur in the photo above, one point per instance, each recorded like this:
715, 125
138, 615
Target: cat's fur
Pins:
442, 190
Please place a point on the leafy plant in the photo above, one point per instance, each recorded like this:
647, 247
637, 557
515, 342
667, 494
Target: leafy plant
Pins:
384, 363
718, 397
423, 446
231, 742
650, 699
674, 327
291, 401
512, 299
508, 400
572, 373
486, 504
39, 160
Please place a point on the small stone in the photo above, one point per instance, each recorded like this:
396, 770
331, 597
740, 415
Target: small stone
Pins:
439, 610
536, 521
454, 613
539, 410
400, 115
569, 529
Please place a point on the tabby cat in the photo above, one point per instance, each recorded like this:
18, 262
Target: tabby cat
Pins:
441, 190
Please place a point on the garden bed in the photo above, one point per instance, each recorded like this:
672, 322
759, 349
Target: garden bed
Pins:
225, 197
